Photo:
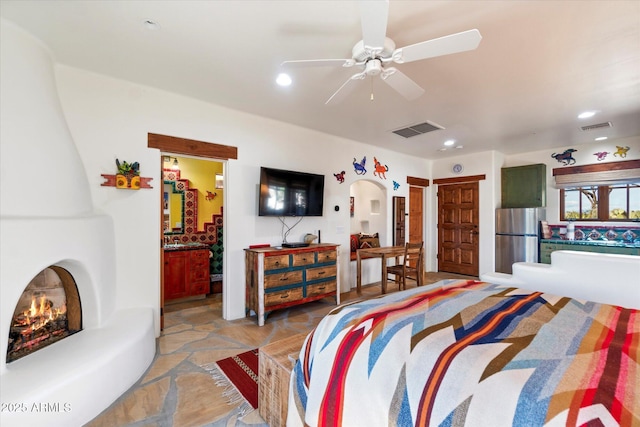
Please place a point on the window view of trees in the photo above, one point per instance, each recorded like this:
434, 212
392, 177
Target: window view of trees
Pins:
604, 203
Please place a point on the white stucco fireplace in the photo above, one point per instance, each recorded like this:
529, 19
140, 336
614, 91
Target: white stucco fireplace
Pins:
47, 219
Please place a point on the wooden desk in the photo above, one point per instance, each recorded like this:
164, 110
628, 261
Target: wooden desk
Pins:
384, 253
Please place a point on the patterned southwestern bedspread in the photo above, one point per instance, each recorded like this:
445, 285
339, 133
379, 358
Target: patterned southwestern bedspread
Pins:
470, 353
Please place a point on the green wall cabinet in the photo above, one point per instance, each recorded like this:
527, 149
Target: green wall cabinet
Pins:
524, 186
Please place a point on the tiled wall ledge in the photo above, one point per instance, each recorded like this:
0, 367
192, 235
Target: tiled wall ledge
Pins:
602, 231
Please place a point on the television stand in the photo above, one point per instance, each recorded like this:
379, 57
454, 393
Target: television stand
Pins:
295, 245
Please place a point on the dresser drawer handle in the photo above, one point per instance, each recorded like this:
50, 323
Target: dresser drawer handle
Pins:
322, 287
284, 296
276, 263
284, 279
320, 273
304, 259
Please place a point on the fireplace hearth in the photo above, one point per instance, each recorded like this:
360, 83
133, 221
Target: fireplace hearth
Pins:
48, 222
47, 311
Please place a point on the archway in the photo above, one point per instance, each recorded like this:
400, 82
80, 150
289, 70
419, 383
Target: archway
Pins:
369, 216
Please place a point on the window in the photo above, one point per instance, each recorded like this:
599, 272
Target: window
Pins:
619, 202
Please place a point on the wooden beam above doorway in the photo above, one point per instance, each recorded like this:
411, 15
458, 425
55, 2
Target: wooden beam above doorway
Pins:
191, 147
417, 182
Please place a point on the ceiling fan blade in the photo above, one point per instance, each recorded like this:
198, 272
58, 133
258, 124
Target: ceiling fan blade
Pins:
453, 43
303, 63
344, 90
401, 83
373, 17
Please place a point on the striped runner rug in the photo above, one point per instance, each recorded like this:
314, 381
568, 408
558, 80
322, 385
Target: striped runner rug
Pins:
239, 375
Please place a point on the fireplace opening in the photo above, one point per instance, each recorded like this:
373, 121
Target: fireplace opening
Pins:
48, 310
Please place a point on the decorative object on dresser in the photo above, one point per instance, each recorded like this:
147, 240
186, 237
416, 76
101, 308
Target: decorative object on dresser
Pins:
283, 277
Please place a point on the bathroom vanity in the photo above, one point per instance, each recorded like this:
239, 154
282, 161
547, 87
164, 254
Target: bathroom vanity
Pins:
186, 270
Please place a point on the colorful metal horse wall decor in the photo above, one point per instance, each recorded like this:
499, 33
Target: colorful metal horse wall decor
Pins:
359, 167
565, 157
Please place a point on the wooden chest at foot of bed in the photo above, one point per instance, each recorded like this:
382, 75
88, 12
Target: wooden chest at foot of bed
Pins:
276, 360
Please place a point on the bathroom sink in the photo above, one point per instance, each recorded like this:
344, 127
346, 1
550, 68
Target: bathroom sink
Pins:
175, 245
184, 245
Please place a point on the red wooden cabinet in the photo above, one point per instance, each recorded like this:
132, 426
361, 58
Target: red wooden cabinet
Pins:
186, 273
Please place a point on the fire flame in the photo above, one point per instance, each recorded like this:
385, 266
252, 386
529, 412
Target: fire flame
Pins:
39, 314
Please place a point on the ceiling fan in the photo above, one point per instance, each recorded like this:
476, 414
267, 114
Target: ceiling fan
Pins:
375, 51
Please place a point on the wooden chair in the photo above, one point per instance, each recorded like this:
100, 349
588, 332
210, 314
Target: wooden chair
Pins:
410, 266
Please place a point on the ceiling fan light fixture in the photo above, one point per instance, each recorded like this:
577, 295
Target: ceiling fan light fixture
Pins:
283, 79
373, 67
586, 114
375, 51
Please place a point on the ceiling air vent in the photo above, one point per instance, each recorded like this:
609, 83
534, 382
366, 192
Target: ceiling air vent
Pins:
598, 126
418, 129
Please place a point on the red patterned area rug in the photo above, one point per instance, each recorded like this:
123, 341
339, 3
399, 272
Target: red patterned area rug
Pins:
239, 375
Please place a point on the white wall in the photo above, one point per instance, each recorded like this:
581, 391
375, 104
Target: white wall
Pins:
110, 119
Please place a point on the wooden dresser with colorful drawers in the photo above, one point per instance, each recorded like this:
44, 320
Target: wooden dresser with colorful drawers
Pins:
283, 277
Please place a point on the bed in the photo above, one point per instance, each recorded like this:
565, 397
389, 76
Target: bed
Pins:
470, 353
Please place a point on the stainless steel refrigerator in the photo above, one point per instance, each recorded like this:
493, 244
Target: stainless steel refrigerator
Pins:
517, 231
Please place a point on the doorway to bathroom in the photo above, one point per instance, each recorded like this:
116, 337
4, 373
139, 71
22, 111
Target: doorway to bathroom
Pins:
188, 220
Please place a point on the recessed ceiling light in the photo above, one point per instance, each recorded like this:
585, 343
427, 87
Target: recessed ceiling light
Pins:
601, 138
586, 114
449, 143
151, 25
283, 79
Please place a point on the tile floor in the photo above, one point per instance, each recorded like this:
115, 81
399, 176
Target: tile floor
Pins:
177, 391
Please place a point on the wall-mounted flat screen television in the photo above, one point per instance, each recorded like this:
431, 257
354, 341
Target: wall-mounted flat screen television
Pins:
290, 193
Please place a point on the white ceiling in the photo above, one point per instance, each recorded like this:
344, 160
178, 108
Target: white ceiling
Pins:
539, 64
